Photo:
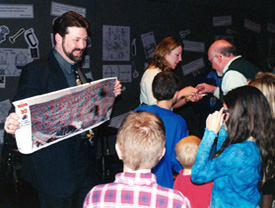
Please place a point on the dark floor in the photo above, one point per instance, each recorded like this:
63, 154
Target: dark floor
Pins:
24, 197
20, 194
17, 193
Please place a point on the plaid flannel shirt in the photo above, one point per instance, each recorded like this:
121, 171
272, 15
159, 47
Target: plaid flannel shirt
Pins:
135, 190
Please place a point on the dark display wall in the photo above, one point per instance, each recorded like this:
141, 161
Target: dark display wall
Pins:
249, 25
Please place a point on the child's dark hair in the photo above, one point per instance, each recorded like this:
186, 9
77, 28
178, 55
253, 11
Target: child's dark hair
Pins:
165, 85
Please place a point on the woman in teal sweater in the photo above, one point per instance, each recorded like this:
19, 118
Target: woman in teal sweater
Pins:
245, 149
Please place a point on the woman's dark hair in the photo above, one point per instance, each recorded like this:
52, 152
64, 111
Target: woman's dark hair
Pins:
164, 47
250, 116
69, 19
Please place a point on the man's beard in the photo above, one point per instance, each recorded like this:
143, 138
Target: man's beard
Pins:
74, 58
70, 55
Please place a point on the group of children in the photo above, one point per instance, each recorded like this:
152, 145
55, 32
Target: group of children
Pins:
153, 140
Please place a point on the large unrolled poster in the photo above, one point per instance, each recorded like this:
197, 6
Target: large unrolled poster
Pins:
53, 117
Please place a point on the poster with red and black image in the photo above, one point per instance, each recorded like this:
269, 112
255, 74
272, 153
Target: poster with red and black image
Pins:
53, 117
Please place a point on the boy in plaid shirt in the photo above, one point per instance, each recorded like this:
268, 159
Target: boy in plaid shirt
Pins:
140, 144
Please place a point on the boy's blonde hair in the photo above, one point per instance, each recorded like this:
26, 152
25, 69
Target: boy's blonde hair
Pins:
141, 139
186, 151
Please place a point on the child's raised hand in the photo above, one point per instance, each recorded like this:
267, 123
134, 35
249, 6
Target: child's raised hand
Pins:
214, 121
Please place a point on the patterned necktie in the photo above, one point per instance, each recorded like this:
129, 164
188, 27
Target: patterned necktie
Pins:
76, 74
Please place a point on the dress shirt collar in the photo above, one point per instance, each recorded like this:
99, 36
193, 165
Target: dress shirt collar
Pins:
228, 64
136, 178
65, 65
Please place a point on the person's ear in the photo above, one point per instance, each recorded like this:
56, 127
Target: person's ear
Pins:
58, 39
118, 151
219, 58
175, 98
163, 153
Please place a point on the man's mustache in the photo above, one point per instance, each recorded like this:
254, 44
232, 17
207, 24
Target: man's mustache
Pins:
79, 50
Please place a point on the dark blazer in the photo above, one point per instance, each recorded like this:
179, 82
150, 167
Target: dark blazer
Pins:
58, 169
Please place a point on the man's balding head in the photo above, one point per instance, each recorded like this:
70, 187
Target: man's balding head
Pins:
220, 53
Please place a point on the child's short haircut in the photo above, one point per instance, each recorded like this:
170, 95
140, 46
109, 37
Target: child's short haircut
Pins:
141, 139
186, 151
165, 85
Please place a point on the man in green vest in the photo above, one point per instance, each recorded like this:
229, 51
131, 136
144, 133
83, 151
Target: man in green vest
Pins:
234, 69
